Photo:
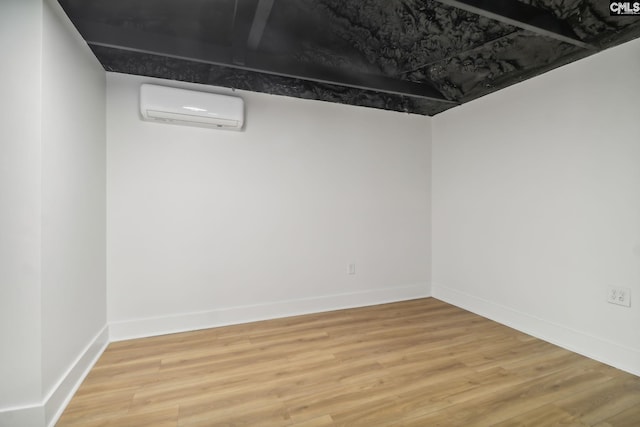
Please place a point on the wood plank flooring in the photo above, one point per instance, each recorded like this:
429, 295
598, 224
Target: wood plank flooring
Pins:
413, 363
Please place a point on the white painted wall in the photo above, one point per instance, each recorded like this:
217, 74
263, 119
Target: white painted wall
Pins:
73, 197
536, 208
207, 227
536, 205
52, 212
20, 334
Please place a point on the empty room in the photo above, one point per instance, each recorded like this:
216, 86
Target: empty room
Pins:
319, 213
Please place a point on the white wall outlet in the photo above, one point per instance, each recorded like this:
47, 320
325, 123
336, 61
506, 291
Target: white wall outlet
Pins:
618, 295
351, 269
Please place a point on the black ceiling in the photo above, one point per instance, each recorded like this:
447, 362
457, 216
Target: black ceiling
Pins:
418, 56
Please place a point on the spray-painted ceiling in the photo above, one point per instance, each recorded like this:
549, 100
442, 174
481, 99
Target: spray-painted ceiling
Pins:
418, 56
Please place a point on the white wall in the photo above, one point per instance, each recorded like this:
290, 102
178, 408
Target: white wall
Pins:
73, 199
52, 212
536, 205
20, 335
536, 208
208, 227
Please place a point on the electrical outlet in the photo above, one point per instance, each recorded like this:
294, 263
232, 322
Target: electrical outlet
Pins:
618, 295
351, 269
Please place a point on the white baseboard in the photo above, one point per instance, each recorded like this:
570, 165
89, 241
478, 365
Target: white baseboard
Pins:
139, 328
613, 354
58, 398
47, 412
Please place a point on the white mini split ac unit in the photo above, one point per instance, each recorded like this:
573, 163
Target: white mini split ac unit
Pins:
191, 108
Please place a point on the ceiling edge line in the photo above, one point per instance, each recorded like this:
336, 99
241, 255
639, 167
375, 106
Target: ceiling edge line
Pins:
275, 73
138, 41
523, 16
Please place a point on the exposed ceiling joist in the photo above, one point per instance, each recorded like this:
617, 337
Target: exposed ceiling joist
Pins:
414, 56
242, 14
155, 44
523, 16
263, 9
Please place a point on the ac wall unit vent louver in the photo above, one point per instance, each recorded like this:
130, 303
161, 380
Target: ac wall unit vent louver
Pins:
191, 108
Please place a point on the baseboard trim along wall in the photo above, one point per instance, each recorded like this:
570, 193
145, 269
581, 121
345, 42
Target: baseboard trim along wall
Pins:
596, 348
59, 397
47, 412
140, 328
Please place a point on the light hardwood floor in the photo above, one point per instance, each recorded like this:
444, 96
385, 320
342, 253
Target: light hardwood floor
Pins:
413, 363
